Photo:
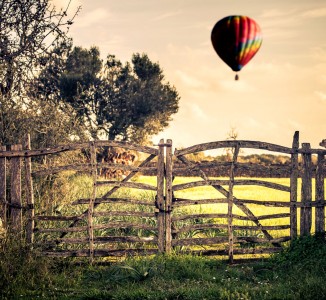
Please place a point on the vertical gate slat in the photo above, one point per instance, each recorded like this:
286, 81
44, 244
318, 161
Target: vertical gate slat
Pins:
320, 194
306, 191
15, 191
168, 198
91, 202
294, 186
3, 188
160, 197
230, 203
29, 193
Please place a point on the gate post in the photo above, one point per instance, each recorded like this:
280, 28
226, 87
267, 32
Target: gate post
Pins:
15, 192
168, 197
320, 195
160, 197
29, 193
306, 191
294, 186
3, 188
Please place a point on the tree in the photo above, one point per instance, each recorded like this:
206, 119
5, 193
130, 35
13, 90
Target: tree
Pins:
128, 102
30, 30
81, 70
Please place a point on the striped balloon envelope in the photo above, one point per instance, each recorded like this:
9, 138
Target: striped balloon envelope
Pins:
236, 39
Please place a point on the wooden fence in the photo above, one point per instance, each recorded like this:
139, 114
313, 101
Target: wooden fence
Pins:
113, 220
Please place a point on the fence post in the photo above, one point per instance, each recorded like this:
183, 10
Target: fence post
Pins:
29, 193
306, 191
294, 186
160, 197
320, 195
90, 228
168, 198
15, 191
230, 203
3, 188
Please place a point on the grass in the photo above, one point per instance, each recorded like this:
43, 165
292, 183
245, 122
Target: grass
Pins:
299, 272
80, 186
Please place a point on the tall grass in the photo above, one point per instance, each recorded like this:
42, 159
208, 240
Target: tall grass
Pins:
297, 273
69, 187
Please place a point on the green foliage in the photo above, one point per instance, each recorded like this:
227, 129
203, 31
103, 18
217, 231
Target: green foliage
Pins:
81, 70
21, 270
31, 32
297, 273
128, 101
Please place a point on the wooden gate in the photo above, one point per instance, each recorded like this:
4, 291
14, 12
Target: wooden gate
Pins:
225, 224
114, 220
123, 216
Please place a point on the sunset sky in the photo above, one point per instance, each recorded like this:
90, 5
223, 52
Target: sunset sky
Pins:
283, 88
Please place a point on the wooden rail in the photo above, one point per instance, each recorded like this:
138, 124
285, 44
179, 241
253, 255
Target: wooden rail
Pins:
127, 225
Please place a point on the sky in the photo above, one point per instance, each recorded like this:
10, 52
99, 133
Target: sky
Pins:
281, 90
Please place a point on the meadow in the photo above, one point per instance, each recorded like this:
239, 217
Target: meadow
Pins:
298, 272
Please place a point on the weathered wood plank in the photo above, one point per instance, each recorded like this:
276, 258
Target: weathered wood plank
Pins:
144, 202
15, 191
197, 216
258, 250
274, 216
168, 197
126, 145
320, 195
76, 146
3, 188
103, 240
230, 202
160, 203
257, 228
111, 213
57, 218
200, 241
306, 191
294, 186
134, 185
233, 143
221, 252
88, 167
264, 203
272, 169
267, 184
179, 202
99, 253
97, 227
29, 193
256, 240
209, 215
199, 227
90, 229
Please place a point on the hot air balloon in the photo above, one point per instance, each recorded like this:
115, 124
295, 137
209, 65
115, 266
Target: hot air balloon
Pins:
236, 39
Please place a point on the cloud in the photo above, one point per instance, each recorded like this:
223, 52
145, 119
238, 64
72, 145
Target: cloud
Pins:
321, 95
189, 80
92, 18
197, 111
315, 13
167, 15
295, 125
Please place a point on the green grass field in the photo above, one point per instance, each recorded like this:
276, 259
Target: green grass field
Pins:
298, 272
